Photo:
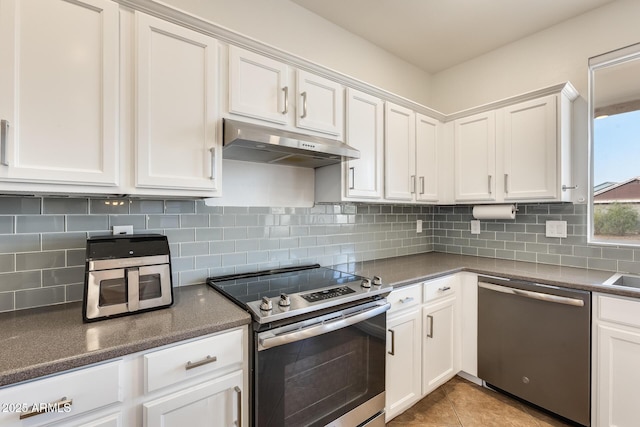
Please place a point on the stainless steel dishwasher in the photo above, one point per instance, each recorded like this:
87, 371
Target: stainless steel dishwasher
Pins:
534, 342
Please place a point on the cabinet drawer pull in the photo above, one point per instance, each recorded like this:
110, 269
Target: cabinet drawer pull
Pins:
4, 136
208, 359
352, 178
393, 343
406, 300
48, 407
430, 319
237, 390
304, 105
444, 288
286, 99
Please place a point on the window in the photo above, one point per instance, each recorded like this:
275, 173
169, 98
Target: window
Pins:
614, 105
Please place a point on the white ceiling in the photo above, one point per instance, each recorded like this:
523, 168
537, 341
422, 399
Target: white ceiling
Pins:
437, 34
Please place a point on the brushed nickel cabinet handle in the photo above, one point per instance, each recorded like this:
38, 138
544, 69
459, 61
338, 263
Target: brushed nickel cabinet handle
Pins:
444, 288
352, 178
212, 150
286, 99
406, 300
413, 184
4, 136
506, 183
237, 390
208, 359
49, 407
489, 184
422, 185
304, 105
430, 318
393, 343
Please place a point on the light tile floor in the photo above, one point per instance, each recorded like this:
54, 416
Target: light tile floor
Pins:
462, 403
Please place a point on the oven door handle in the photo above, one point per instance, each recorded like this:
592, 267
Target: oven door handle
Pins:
270, 341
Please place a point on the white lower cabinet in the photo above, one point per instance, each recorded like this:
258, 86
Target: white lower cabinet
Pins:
615, 370
423, 341
213, 403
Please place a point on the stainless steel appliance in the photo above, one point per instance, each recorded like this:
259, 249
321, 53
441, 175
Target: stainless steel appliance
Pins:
125, 275
318, 345
534, 342
256, 143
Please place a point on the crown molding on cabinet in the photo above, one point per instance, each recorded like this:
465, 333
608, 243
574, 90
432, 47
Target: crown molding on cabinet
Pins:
223, 34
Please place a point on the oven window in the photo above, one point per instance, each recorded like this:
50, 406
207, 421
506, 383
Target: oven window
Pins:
314, 381
112, 292
150, 287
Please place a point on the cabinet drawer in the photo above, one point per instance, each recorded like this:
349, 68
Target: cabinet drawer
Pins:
77, 388
406, 297
439, 288
619, 310
184, 361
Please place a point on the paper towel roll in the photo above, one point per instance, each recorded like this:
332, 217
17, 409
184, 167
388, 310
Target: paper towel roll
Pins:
494, 212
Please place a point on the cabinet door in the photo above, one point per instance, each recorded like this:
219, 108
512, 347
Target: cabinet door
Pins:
320, 104
59, 91
258, 86
427, 158
530, 149
617, 382
176, 101
403, 362
475, 157
399, 152
216, 403
438, 360
365, 132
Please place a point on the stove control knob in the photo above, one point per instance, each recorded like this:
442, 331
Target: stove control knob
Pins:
377, 280
285, 301
366, 283
266, 304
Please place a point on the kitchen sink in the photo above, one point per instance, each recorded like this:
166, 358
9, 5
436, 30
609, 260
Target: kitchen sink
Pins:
625, 280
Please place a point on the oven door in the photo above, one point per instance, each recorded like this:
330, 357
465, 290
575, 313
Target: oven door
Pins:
327, 370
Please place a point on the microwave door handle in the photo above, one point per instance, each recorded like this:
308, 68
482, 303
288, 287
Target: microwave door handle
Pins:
133, 289
268, 342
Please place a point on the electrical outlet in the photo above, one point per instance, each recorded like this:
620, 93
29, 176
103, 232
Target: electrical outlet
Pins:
419, 226
475, 226
556, 228
122, 229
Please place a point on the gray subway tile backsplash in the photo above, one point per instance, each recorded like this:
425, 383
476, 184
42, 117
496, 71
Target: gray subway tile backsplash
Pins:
42, 241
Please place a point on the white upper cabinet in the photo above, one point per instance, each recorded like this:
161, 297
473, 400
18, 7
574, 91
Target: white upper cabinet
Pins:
59, 92
530, 149
475, 157
258, 86
399, 150
427, 161
176, 108
265, 89
520, 152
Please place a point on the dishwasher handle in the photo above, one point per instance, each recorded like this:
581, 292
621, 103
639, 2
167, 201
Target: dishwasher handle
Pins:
533, 295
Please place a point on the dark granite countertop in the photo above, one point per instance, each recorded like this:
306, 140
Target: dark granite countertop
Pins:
47, 340
405, 270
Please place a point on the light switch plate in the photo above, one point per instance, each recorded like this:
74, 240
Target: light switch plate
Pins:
419, 226
122, 229
556, 228
475, 226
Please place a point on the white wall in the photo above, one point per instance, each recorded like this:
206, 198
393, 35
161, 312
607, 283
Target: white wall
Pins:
552, 56
287, 26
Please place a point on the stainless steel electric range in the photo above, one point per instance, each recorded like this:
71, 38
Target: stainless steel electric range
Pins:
319, 343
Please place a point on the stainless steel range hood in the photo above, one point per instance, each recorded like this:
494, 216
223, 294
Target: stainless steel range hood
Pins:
256, 143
